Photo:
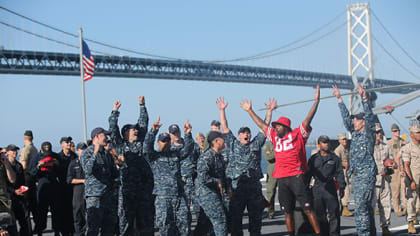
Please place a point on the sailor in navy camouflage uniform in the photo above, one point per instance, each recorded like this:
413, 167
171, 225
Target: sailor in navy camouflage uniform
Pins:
244, 173
172, 212
100, 173
362, 162
188, 164
212, 184
135, 193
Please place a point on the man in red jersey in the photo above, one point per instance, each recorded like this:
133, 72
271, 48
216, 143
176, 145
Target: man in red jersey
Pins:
289, 148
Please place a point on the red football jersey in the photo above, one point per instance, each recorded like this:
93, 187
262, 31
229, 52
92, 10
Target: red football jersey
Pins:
290, 151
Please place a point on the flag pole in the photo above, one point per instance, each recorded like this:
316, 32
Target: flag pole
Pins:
83, 87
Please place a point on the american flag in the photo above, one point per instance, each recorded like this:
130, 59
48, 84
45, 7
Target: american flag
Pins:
88, 62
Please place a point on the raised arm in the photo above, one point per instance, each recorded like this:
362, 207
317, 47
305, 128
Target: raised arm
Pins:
188, 141
348, 123
271, 105
369, 117
311, 114
116, 138
148, 147
220, 102
247, 106
143, 119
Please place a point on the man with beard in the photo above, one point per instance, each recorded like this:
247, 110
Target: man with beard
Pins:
289, 148
244, 172
135, 195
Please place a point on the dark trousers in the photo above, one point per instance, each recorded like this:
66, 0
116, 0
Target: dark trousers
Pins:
66, 209
20, 208
204, 226
79, 215
30, 197
326, 203
47, 196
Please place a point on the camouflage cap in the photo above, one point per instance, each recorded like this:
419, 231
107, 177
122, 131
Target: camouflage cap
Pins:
395, 127
378, 127
342, 136
415, 129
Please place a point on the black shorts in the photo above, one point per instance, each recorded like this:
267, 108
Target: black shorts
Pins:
293, 188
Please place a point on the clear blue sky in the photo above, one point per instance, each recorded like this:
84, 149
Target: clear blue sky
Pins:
197, 30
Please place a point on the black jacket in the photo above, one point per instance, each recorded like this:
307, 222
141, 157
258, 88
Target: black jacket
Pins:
326, 169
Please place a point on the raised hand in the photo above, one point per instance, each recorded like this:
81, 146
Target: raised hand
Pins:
117, 105
362, 92
157, 124
220, 102
141, 100
187, 127
317, 93
247, 106
271, 105
336, 92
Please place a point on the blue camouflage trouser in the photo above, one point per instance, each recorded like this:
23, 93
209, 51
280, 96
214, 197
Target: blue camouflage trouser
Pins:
172, 215
364, 191
189, 191
247, 194
101, 215
213, 207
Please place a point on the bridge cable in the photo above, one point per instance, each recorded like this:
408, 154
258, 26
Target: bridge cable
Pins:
394, 59
87, 39
252, 57
246, 58
395, 41
298, 47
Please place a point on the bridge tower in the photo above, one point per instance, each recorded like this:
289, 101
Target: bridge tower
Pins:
359, 44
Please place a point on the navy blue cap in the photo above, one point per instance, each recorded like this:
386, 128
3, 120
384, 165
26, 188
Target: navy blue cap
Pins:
28, 133
66, 139
46, 146
12, 147
99, 130
244, 129
359, 116
213, 135
164, 137
129, 126
323, 139
215, 123
173, 128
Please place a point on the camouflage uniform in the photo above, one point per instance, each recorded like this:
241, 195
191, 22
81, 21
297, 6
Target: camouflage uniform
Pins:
363, 168
244, 171
271, 182
411, 153
135, 194
344, 155
189, 172
172, 212
101, 208
383, 193
211, 169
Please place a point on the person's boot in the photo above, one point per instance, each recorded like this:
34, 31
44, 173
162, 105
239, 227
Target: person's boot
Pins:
416, 221
386, 232
404, 212
398, 213
411, 228
346, 212
376, 212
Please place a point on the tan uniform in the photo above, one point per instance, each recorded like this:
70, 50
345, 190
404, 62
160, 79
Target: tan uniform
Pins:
344, 155
411, 153
271, 185
26, 155
382, 190
397, 182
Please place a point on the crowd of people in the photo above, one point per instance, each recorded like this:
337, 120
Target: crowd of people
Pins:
119, 183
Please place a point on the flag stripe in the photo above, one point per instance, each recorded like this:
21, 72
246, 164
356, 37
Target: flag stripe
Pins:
88, 62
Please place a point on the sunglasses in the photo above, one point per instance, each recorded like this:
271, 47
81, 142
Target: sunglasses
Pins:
395, 130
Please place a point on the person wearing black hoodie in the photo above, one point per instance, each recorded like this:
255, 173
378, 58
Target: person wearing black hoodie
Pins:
44, 168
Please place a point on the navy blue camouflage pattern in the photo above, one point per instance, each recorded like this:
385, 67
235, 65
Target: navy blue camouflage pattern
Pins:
363, 167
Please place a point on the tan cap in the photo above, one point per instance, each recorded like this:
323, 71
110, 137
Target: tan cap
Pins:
415, 128
342, 136
378, 127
